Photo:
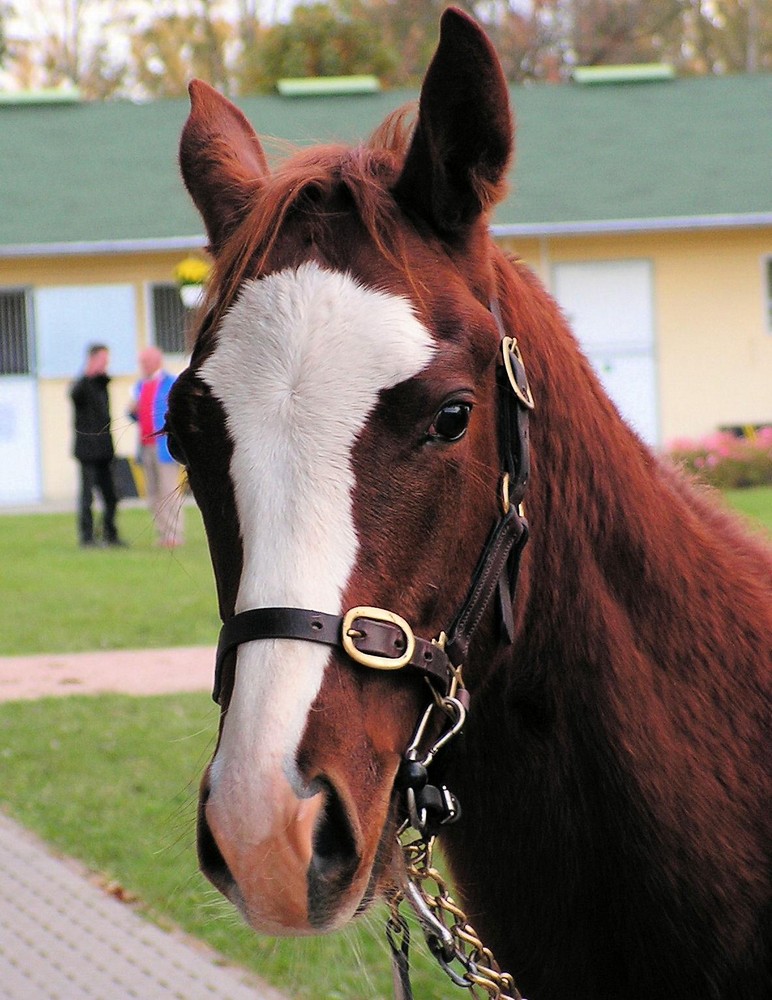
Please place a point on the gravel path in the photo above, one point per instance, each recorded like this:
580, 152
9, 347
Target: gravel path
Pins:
146, 671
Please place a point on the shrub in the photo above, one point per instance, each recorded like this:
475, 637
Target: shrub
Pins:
727, 461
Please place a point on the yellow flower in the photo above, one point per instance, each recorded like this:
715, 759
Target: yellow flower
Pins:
192, 271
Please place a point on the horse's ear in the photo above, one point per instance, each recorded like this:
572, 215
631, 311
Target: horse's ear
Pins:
456, 165
221, 159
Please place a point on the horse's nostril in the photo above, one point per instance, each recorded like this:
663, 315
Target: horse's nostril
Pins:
210, 858
334, 842
334, 861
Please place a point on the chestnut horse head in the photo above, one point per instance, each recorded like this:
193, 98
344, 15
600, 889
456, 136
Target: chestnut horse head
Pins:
347, 421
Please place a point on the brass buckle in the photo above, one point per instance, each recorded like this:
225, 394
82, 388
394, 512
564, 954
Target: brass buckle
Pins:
509, 347
506, 503
373, 660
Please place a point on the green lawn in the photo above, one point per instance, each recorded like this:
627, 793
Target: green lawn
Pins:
112, 780
755, 504
56, 597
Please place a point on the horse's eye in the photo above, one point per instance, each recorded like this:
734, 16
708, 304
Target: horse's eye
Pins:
174, 446
451, 422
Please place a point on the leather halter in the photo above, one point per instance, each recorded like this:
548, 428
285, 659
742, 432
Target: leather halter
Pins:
382, 640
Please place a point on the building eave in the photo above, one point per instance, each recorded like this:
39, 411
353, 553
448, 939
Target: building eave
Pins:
594, 227
587, 227
98, 247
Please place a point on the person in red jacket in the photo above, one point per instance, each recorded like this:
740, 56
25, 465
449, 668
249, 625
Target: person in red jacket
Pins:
94, 447
162, 474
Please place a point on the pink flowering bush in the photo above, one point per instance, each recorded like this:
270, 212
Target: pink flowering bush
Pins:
726, 461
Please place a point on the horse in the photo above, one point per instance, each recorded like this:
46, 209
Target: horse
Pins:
380, 407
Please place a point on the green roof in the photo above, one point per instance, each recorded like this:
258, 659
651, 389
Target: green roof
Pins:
689, 152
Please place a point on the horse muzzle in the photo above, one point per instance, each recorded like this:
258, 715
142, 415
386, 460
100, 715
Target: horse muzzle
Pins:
295, 869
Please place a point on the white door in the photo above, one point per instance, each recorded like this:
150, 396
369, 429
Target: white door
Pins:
19, 444
610, 308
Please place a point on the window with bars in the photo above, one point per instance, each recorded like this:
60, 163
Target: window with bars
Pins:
169, 318
15, 354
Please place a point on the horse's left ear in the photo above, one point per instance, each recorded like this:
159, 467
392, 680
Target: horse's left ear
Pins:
456, 166
222, 161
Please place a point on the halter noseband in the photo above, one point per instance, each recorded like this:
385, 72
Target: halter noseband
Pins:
382, 640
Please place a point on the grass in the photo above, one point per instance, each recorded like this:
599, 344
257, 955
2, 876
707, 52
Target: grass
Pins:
755, 504
57, 598
126, 805
112, 780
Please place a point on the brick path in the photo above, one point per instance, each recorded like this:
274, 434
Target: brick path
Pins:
62, 936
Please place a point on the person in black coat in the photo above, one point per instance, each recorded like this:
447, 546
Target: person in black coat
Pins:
94, 446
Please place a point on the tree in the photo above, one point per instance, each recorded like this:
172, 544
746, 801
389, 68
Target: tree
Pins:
321, 41
546, 38
173, 49
5, 11
607, 32
727, 36
49, 46
407, 28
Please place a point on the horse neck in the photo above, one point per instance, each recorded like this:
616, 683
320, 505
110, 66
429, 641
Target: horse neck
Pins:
629, 702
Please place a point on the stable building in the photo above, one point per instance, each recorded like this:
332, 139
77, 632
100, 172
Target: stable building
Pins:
644, 205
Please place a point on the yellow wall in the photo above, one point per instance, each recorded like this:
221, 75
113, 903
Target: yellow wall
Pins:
714, 350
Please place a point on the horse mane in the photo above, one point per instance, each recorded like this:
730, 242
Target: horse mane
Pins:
366, 171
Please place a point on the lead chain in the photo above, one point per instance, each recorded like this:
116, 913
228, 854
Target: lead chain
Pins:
447, 930
450, 936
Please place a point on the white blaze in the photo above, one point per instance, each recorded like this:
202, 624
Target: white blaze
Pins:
300, 360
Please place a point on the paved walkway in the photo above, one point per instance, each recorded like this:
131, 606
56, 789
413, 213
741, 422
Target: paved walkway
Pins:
62, 936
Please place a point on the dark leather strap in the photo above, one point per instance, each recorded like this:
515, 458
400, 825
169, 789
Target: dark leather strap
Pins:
513, 435
383, 639
506, 541
515, 402
378, 638
398, 936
